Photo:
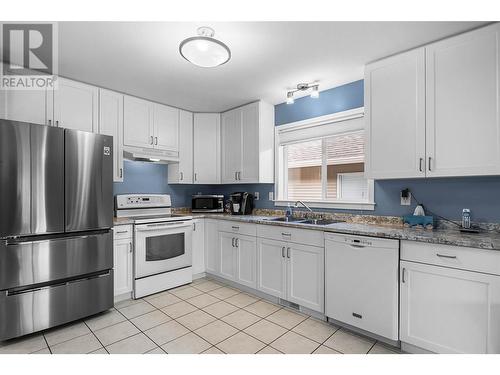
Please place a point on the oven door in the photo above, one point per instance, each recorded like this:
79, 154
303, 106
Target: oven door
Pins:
162, 247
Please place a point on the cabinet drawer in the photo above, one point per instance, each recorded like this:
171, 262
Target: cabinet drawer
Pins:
282, 233
237, 227
122, 232
466, 258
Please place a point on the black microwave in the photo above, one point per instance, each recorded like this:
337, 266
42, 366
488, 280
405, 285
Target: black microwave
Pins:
207, 203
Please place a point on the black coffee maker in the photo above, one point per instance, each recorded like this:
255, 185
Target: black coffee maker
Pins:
241, 203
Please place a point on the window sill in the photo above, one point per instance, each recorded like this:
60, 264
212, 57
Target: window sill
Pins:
365, 206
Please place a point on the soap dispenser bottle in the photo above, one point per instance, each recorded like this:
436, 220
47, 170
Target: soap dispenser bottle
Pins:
288, 212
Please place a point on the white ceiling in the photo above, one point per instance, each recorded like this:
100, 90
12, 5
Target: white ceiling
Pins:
142, 58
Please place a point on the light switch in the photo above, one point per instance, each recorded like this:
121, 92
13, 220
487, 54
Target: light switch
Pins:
256, 195
271, 196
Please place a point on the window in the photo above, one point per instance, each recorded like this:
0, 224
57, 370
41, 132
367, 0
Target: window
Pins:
323, 164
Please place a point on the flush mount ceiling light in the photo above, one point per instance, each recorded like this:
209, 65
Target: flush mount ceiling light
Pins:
204, 50
303, 87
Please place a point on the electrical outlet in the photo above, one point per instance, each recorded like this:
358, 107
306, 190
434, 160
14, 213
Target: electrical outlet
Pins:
271, 195
256, 195
406, 201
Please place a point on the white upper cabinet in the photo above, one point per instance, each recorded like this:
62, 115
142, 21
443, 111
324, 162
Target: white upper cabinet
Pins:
206, 148
463, 114
395, 116
434, 111
247, 137
166, 128
111, 123
137, 122
182, 172
25, 105
75, 105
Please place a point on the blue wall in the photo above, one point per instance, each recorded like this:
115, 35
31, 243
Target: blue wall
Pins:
443, 196
334, 100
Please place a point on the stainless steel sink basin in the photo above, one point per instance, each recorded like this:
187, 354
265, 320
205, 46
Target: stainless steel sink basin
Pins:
305, 221
287, 220
320, 221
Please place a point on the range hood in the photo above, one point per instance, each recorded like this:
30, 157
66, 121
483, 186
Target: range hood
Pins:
150, 155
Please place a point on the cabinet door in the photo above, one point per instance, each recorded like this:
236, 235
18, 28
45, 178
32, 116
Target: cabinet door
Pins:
463, 109
122, 266
249, 171
198, 246
24, 105
395, 116
211, 247
76, 105
246, 261
166, 128
445, 310
137, 122
227, 255
231, 145
305, 276
206, 146
111, 123
271, 267
182, 172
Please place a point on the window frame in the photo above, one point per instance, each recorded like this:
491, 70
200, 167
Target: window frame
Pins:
312, 129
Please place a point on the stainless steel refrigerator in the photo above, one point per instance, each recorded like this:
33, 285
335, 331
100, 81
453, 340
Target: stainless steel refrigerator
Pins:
56, 214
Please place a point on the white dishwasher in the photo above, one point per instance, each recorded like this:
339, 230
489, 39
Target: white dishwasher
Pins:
361, 277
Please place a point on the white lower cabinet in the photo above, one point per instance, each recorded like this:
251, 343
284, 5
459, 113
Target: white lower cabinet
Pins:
211, 247
123, 258
237, 257
294, 272
271, 267
227, 255
198, 246
446, 310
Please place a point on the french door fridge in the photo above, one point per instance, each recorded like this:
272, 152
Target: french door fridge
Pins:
56, 214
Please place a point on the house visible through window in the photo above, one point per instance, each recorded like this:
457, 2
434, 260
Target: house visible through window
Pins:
328, 168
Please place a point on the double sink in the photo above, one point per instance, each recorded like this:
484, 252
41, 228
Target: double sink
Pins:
305, 221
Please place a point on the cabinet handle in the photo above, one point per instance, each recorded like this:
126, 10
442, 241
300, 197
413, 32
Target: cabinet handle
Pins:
236, 176
288, 252
235, 227
286, 234
122, 231
232, 242
121, 172
50, 122
151, 141
182, 176
403, 278
420, 164
194, 227
430, 164
156, 141
446, 256
239, 176
237, 242
283, 252
57, 123
130, 247
196, 177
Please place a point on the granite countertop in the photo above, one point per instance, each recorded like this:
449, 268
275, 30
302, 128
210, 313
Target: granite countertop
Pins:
122, 221
483, 240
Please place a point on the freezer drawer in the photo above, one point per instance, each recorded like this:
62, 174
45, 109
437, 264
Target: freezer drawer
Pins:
49, 259
39, 309
361, 288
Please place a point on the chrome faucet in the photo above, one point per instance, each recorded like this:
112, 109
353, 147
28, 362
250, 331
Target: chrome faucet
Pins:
305, 206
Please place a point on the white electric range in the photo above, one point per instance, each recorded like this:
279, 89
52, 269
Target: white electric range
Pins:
162, 242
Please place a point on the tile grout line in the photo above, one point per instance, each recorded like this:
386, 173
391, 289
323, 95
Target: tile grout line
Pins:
97, 338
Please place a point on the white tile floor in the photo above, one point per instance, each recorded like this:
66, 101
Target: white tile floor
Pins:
203, 317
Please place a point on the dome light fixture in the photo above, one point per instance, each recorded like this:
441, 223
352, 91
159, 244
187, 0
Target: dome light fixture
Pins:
303, 87
204, 50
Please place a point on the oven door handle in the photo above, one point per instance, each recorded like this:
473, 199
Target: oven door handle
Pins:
159, 226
